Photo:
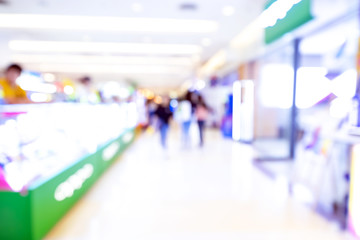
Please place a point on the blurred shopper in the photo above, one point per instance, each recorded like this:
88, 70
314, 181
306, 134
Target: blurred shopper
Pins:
164, 114
184, 115
151, 107
201, 113
12, 92
86, 93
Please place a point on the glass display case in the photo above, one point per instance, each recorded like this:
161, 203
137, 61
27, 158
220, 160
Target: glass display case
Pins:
50, 155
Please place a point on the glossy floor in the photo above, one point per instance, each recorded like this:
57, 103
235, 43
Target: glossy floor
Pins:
214, 192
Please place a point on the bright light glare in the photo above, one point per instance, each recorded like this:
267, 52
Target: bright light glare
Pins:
117, 24
345, 84
276, 90
39, 97
312, 86
236, 135
276, 86
68, 90
103, 47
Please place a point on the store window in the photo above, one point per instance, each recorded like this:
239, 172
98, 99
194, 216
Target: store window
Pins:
273, 101
326, 86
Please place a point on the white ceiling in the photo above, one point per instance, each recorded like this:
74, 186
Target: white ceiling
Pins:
228, 27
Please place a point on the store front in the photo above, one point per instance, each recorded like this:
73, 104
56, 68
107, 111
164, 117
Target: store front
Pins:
305, 115
326, 85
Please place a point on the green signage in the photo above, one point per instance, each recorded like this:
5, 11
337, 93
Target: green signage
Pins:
294, 17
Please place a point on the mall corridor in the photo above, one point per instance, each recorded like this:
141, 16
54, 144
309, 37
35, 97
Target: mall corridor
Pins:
209, 193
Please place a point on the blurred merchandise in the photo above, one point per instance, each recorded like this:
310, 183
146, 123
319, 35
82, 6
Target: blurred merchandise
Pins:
39, 141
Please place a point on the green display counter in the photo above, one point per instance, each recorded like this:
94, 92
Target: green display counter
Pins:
30, 215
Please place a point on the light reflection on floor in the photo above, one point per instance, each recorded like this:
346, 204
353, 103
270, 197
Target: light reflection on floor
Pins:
206, 193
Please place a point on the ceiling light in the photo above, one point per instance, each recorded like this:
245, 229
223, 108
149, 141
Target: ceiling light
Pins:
228, 11
119, 69
102, 47
86, 59
27, 21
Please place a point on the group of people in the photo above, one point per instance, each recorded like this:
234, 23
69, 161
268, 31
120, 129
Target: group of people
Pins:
191, 107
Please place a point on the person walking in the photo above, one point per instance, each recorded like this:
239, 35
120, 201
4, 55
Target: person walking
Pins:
201, 113
164, 114
184, 114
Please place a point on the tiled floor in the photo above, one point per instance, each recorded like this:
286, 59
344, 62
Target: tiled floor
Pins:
193, 194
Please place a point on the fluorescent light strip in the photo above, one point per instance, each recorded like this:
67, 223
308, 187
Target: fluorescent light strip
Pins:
27, 21
76, 59
102, 47
121, 69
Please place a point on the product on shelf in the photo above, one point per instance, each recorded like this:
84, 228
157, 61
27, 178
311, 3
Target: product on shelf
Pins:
46, 138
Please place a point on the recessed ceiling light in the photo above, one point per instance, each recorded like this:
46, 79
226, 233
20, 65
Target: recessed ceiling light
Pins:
228, 11
137, 7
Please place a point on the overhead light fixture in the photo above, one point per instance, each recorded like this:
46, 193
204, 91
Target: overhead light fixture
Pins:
117, 69
103, 47
34, 21
228, 11
86, 59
